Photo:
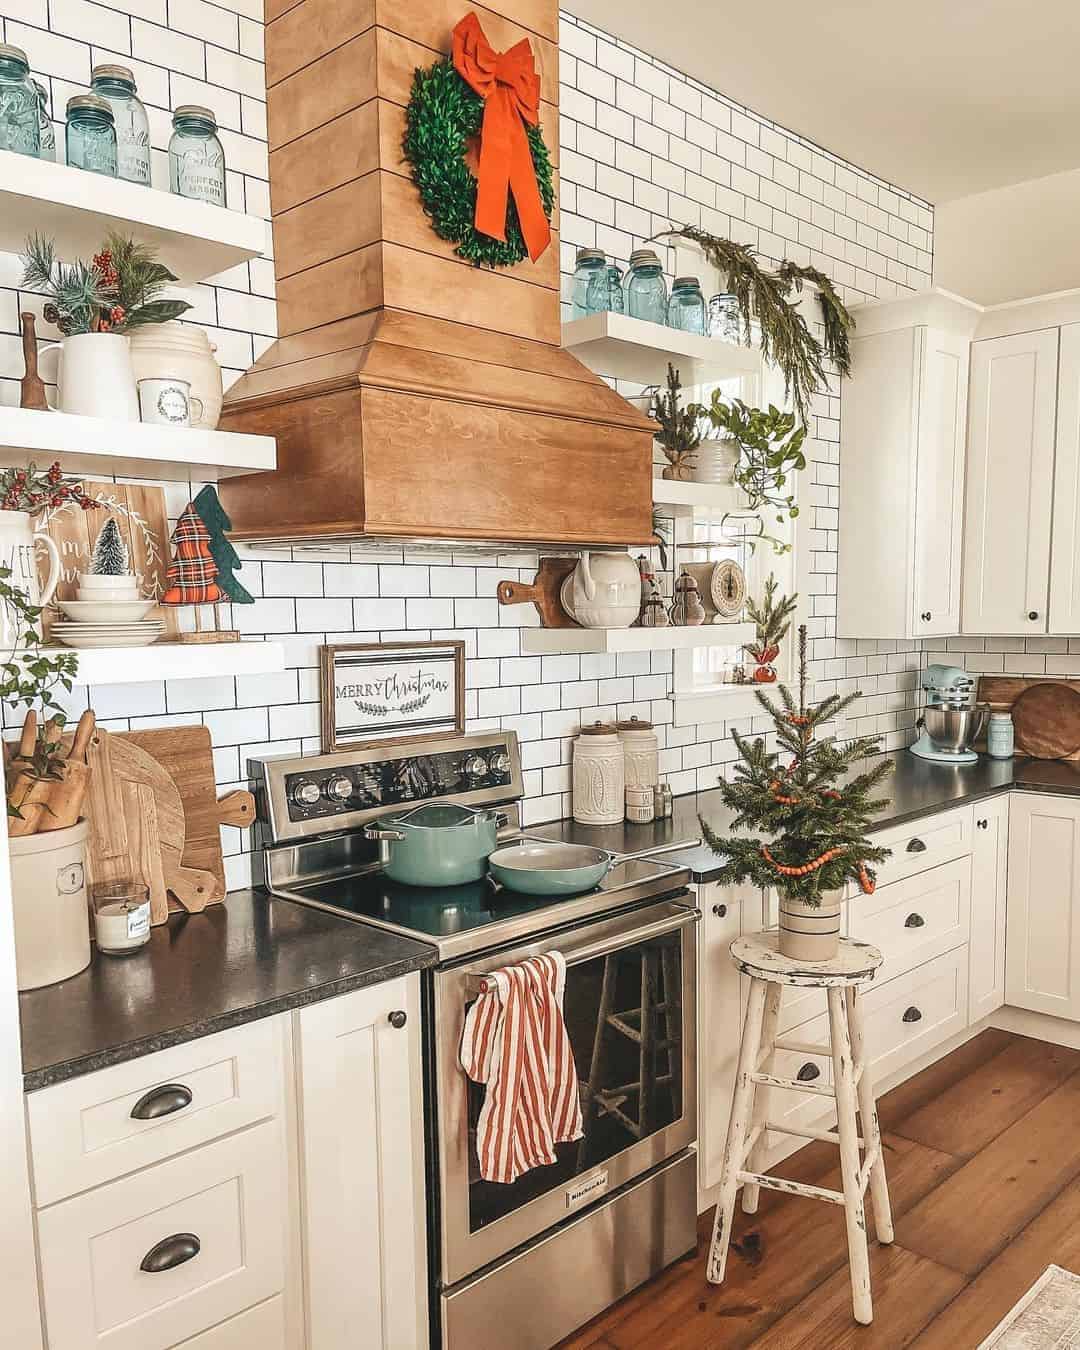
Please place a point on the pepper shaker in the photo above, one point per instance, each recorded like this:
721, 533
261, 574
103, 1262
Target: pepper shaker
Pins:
663, 802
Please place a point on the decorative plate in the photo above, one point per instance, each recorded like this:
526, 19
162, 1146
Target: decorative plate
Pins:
727, 589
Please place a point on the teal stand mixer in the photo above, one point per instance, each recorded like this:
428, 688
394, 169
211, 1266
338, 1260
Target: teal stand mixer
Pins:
952, 719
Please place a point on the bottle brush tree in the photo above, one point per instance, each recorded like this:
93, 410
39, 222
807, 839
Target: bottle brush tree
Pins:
110, 556
812, 816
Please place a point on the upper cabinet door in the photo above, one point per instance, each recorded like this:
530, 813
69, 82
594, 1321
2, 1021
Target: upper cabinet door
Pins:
1065, 550
939, 487
1010, 483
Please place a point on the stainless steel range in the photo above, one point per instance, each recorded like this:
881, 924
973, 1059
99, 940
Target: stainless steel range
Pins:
522, 1264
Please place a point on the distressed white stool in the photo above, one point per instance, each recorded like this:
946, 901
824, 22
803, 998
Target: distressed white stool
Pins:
748, 1127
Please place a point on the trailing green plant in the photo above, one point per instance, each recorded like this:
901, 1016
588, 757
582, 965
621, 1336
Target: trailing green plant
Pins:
772, 619
680, 427
770, 451
813, 822
119, 290
764, 295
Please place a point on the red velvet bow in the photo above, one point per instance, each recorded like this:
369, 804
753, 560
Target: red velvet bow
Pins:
510, 87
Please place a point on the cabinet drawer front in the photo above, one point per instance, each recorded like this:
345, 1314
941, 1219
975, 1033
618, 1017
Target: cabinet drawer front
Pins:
83, 1133
910, 1015
229, 1195
263, 1326
915, 920
921, 844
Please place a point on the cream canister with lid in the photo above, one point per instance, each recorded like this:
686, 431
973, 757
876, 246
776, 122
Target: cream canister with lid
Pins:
599, 778
641, 750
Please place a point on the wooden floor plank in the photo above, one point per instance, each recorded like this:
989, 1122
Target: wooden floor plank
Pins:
967, 1220
976, 1108
903, 1101
1052, 1238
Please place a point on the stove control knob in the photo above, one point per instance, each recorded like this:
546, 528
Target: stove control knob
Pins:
339, 789
475, 766
500, 762
306, 793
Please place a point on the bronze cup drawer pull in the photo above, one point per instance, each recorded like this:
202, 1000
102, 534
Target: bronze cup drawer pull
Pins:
916, 845
914, 921
161, 1101
170, 1252
808, 1072
912, 1014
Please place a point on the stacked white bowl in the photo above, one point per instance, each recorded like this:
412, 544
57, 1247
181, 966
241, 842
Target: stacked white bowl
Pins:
108, 613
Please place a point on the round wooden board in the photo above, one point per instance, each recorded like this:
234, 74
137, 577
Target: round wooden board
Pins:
1046, 719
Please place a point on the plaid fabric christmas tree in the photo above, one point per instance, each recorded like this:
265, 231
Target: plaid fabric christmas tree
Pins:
192, 575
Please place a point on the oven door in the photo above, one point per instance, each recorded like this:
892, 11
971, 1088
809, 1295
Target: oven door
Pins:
629, 1008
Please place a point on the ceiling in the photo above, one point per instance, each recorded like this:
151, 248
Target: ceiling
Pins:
941, 99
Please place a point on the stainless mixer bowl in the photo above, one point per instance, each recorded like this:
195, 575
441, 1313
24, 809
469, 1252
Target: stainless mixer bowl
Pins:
953, 728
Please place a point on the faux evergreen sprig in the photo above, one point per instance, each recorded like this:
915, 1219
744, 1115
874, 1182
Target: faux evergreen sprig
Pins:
814, 823
773, 620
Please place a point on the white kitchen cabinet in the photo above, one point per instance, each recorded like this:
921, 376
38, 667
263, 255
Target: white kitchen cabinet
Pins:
989, 863
903, 419
1042, 962
1010, 483
1065, 535
719, 1017
362, 1158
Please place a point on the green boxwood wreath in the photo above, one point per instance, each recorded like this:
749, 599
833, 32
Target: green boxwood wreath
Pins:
443, 116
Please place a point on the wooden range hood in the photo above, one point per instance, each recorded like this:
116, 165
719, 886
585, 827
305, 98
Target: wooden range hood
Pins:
412, 395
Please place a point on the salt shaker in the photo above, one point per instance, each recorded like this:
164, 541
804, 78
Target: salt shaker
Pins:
663, 802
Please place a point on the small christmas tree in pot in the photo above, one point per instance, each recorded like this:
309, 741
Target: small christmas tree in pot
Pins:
815, 823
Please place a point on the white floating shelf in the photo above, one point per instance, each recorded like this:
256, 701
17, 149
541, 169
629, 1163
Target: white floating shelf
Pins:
167, 660
714, 497
92, 445
544, 641
77, 209
634, 349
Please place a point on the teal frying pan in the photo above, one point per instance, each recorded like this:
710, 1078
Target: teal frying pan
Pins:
548, 867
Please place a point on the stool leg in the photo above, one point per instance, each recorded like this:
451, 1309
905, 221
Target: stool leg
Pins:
742, 1105
871, 1130
759, 1153
844, 1085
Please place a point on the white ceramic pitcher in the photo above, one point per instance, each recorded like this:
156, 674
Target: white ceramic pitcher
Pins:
95, 376
18, 544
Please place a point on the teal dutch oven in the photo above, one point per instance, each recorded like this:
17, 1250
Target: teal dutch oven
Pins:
438, 844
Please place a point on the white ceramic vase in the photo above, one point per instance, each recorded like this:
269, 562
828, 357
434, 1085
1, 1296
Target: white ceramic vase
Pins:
715, 460
48, 892
95, 376
809, 932
176, 351
19, 543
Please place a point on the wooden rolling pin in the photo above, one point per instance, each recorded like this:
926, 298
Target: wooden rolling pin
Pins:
27, 793
66, 797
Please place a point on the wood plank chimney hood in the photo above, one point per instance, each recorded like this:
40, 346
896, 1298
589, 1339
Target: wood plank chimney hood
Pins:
414, 396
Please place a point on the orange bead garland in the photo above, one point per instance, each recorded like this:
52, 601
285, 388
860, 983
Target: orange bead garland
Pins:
806, 868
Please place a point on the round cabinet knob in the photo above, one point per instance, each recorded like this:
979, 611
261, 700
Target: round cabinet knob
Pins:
398, 1019
499, 762
306, 793
475, 766
1033, 613
719, 910
983, 824
926, 616
339, 789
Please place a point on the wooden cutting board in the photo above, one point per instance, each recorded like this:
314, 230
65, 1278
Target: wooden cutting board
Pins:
1045, 711
544, 592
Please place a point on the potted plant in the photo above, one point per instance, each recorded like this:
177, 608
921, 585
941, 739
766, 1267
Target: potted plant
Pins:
770, 451
814, 823
95, 306
680, 427
773, 620
48, 879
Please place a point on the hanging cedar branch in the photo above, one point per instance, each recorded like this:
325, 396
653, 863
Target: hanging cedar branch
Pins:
763, 294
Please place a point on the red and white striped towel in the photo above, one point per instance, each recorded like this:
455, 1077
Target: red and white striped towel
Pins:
515, 1042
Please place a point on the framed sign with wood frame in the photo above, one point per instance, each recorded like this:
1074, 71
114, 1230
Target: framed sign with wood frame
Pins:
391, 691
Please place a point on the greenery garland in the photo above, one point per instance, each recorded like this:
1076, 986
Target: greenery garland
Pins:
443, 117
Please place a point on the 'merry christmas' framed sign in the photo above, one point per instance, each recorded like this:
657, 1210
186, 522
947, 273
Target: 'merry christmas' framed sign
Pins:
392, 691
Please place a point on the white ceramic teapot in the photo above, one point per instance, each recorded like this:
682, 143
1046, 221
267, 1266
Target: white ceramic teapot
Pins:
604, 590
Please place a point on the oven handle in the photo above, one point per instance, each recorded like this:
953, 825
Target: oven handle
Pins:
476, 982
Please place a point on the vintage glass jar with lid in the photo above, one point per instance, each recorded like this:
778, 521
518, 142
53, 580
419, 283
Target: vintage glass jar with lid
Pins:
46, 134
91, 134
589, 264
724, 322
686, 308
645, 287
605, 294
1000, 736
196, 157
19, 127
641, 752
116, 85
599, 778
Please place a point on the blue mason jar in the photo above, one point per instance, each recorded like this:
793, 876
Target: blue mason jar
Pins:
19, 128
116, 85
686, 308
588, 266
196, 158
645, 288
91, 135
1000, 736
47, 136
604, 294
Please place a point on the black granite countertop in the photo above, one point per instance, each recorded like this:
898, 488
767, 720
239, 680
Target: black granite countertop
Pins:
916, 788
247, 958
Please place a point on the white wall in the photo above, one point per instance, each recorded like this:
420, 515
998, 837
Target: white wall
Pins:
642, 146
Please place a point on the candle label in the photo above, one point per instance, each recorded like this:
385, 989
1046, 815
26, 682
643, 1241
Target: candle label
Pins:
138, 921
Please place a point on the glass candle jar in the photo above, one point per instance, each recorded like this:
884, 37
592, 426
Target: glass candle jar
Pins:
1000, 736
47, 136
686, 308
121, 917
91, 135
724, 322
605, 291
116, 85
645, 287
19, 127
588, 266
196, 159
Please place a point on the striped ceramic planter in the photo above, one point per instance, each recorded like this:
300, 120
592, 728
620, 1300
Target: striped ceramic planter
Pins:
810, 932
